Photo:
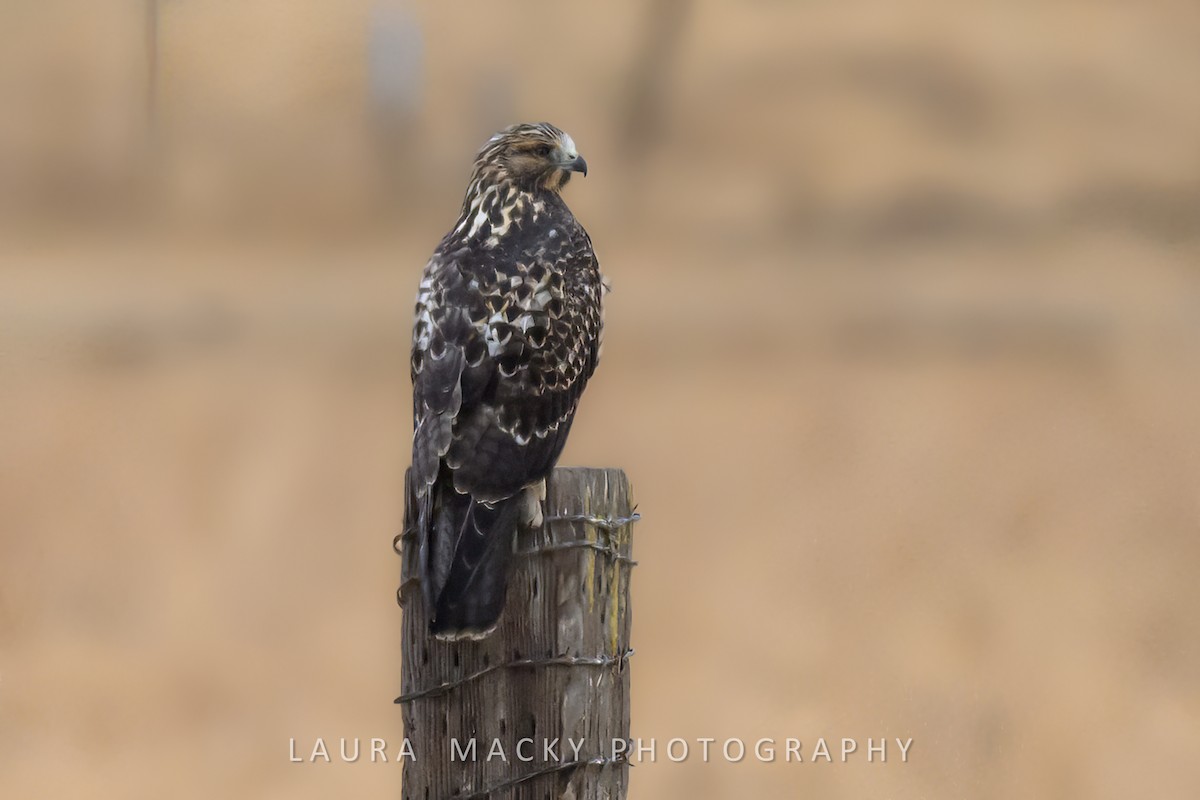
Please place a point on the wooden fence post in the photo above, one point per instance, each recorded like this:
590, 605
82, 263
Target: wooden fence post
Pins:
549, 689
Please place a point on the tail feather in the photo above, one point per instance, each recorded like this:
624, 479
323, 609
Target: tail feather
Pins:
469, 544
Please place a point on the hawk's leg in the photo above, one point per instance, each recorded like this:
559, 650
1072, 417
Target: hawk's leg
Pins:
531, 505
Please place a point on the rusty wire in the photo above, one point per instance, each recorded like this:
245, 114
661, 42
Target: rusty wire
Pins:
599, 761
606, 524
518, 663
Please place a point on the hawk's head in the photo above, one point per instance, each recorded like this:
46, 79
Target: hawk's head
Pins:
532, 155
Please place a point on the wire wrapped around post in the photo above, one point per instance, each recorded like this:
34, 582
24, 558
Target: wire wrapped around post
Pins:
533, 710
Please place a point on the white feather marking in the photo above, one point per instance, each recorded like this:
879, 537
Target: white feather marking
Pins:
423, 340
471, 209
495, 344
477, 223
506, 217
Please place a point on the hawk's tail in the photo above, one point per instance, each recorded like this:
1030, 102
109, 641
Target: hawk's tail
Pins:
469, 548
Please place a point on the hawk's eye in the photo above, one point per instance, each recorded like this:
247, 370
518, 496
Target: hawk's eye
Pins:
542, 150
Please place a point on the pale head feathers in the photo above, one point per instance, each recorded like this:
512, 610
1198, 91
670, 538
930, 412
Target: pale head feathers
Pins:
531, 156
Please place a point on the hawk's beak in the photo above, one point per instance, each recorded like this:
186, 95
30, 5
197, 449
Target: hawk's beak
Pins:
576, 164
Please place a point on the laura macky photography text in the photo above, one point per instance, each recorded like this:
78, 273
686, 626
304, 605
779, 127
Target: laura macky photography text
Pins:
636, 751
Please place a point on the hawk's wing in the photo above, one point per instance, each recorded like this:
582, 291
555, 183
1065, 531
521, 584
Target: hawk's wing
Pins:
502, 349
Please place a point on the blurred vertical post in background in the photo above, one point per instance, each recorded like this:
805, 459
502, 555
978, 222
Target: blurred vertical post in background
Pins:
554, 671
395, 76
152, 67
649, 80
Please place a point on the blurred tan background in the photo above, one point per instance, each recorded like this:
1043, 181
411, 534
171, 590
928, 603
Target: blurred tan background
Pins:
902, 359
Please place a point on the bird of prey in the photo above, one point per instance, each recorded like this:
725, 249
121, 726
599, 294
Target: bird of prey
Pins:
507, 333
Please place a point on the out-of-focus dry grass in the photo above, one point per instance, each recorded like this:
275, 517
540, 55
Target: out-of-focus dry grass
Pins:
902, 359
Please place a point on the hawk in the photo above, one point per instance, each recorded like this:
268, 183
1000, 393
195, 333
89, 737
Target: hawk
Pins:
507, 333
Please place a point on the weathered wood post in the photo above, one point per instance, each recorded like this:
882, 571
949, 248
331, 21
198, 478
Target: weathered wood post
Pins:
532, 711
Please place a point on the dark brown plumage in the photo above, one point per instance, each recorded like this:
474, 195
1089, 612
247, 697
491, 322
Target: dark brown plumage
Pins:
507, 334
